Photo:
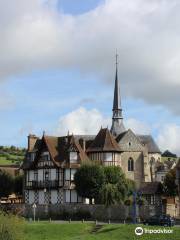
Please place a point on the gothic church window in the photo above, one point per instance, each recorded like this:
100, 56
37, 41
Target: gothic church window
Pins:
130, 164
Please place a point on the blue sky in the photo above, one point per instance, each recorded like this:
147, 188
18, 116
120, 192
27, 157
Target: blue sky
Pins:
78, 6
58, 68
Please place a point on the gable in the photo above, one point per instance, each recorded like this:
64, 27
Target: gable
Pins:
129, 142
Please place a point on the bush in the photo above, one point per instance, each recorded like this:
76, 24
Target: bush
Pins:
82, 214
11, 227
128, 202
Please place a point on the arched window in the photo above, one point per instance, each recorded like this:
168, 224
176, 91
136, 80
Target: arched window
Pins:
152, 161
130, 164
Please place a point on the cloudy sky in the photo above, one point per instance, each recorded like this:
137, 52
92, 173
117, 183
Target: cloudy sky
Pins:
57, 67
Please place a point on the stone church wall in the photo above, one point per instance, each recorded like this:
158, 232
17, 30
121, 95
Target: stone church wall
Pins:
137, 174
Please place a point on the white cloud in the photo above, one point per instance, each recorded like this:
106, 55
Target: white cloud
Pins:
82, 121
34, 35
137, 126
168, 138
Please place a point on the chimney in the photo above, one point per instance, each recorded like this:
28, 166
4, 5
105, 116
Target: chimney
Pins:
31, 141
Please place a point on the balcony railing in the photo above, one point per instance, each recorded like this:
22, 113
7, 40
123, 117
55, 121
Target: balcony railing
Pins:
43, 184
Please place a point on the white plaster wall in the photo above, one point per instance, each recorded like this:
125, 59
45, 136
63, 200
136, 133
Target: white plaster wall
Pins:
53, 196
31, 197
73, 196
31, 175
40, 174
53, 174
67, 196
67, 174
73, 157
41, 197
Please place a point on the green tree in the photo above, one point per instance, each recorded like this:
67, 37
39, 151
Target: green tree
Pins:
18, 184
169, 185
6, 184
89, 180
116, 187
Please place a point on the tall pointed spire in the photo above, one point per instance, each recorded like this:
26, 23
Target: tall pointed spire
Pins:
117, 119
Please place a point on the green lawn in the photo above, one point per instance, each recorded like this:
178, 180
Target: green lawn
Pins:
12, 159
83, 231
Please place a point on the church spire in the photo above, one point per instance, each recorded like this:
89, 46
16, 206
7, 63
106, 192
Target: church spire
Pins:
117, 119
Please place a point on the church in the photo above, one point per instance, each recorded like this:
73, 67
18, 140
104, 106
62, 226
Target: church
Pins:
51, 162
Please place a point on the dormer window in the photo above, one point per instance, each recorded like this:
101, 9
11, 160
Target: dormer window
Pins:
73, 157
45, 156
31, 156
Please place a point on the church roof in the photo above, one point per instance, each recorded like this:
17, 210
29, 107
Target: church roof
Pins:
149, 142
104, 142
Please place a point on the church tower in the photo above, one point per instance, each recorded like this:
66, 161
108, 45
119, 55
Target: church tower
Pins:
117, 119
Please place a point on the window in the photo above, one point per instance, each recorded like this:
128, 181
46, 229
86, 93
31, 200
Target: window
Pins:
108, 157
46, 176
130, 164
45, 156
73, 157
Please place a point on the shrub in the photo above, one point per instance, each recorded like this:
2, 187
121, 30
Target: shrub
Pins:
11, 227
82, 214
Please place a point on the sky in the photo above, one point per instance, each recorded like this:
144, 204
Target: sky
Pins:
57, 67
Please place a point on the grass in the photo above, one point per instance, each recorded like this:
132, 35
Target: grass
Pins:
83, 231
11, 159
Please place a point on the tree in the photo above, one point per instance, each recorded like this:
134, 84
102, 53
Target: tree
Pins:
169, 185
6, 184
89, 180
116, 187
18, 184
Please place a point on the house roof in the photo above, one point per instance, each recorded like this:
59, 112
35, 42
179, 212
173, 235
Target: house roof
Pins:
149, 142
167, 153
149, 188
104, 142
58, 148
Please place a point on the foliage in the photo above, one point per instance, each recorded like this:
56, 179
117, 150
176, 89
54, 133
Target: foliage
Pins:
10, 184
11, 227
169, 185
109, 194
89, 180
6, 184
113, 174
106, 184
11, 155
18, 184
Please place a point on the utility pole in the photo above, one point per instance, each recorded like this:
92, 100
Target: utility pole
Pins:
34, 211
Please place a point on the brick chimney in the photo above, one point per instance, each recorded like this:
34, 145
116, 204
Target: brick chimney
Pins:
31, 141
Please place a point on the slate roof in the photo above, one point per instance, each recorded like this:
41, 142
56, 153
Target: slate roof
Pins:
104, 142
150, 143
121, 135
149, 188
169, 154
